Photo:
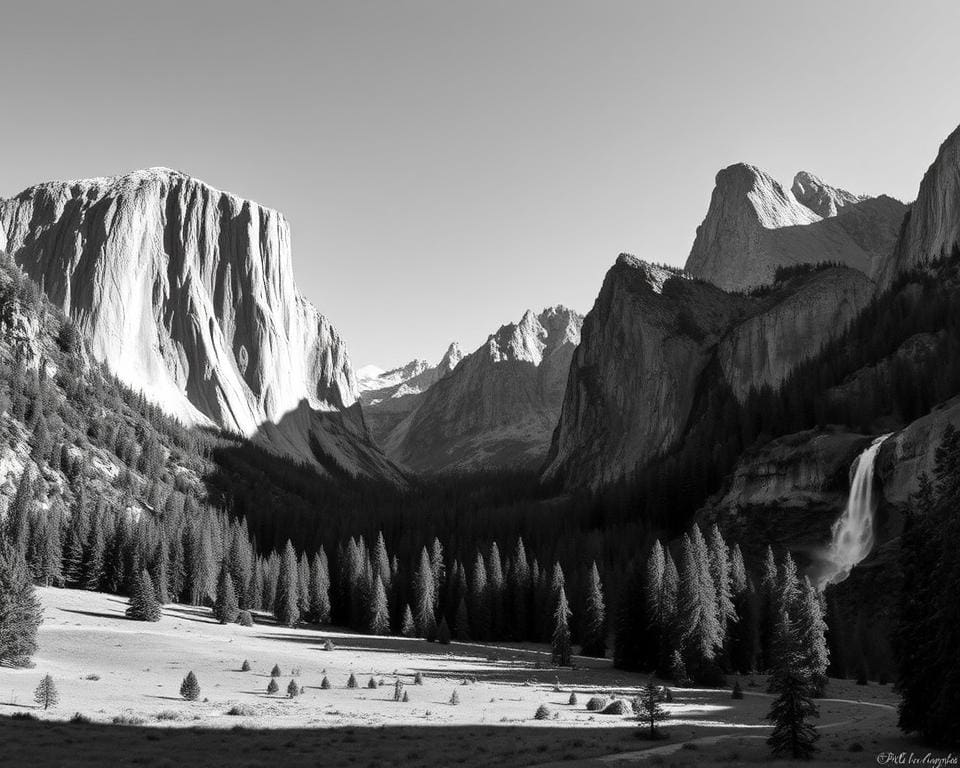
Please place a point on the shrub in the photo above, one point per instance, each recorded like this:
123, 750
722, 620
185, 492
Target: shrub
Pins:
543, 713
325, 683
245, 619
352, 681
443, 632
293, 690
272, 686
371, 683
167, 714
617, 707
418, 679
245, 667
455, 698
23, 716
190, 688
275, 672
79, 717
127, 720
92, 677
296, 671
737, 691
667, 694
242, 710
398, 690
328, 645
572, 701
596, 703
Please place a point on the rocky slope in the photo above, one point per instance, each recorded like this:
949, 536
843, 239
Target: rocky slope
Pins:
656, 337
187, 294
499, 406
389, 396
754, 225
932, 228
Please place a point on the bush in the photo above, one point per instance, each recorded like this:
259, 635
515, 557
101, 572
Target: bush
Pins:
79, 717
272, 686
352, 681
23, 716
667, 694
127, 720
190, 688
92, 677
572, 701
245, 667
296, 671
543, 713
275, 672
455, 698
418, 679
371, 683
617, 707
443, 632
328, 645
293, 690
168, 714
596, 703
325, 683
242, 710
245, 619
737, 691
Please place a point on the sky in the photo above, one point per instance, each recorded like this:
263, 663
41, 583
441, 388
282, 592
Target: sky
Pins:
446, 165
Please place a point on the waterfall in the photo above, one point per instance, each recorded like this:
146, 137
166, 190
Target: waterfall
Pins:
852, 534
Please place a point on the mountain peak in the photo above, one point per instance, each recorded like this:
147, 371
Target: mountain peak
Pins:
821, 198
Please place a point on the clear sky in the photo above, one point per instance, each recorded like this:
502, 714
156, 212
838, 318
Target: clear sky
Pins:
446, 165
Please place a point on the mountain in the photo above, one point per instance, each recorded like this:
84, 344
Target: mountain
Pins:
388, 396
932, 227
499, 405
753, 226
186, 293
657, 339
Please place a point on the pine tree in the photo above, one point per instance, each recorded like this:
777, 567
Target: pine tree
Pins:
424, 591
285, 605
381, 561
46, 694
143, 602
769, 606
226, 609
272, 686
495, 590
560, 644
20, 611
408, 627
479, 600
720, 567
518, 590
594, 617
293, 690
17, 522
812, 641
379, 623
303, 586
443, 632
462, 629
648, 709
792, 735
190, 688
92, 565
320, 588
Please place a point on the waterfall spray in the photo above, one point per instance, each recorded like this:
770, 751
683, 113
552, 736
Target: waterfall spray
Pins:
852, 534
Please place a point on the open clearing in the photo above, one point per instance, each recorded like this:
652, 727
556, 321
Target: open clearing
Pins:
106, 666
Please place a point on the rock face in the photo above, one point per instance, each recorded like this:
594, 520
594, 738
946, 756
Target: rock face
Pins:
389, 396
499, 405
932, 228
754, 225
655, 336
633, 378
791, 327
187, 294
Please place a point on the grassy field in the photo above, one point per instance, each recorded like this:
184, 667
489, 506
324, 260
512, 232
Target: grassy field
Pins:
123, 678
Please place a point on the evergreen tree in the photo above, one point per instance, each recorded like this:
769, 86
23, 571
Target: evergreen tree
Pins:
697, 603
769, 606
479, 600
379, 623
272, 686
631, 622
443, 632
560, 644
648, 709
720, 575
17, 522
285, 605
303, 585
20, 611
495, 589
408, 627
519, 588
462, 627
424, 590
190, 688
594, 617
225, 609
745, 638
92, 566
812, 642
792, 735
320, 588
143, 602
46, 694
381, 561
